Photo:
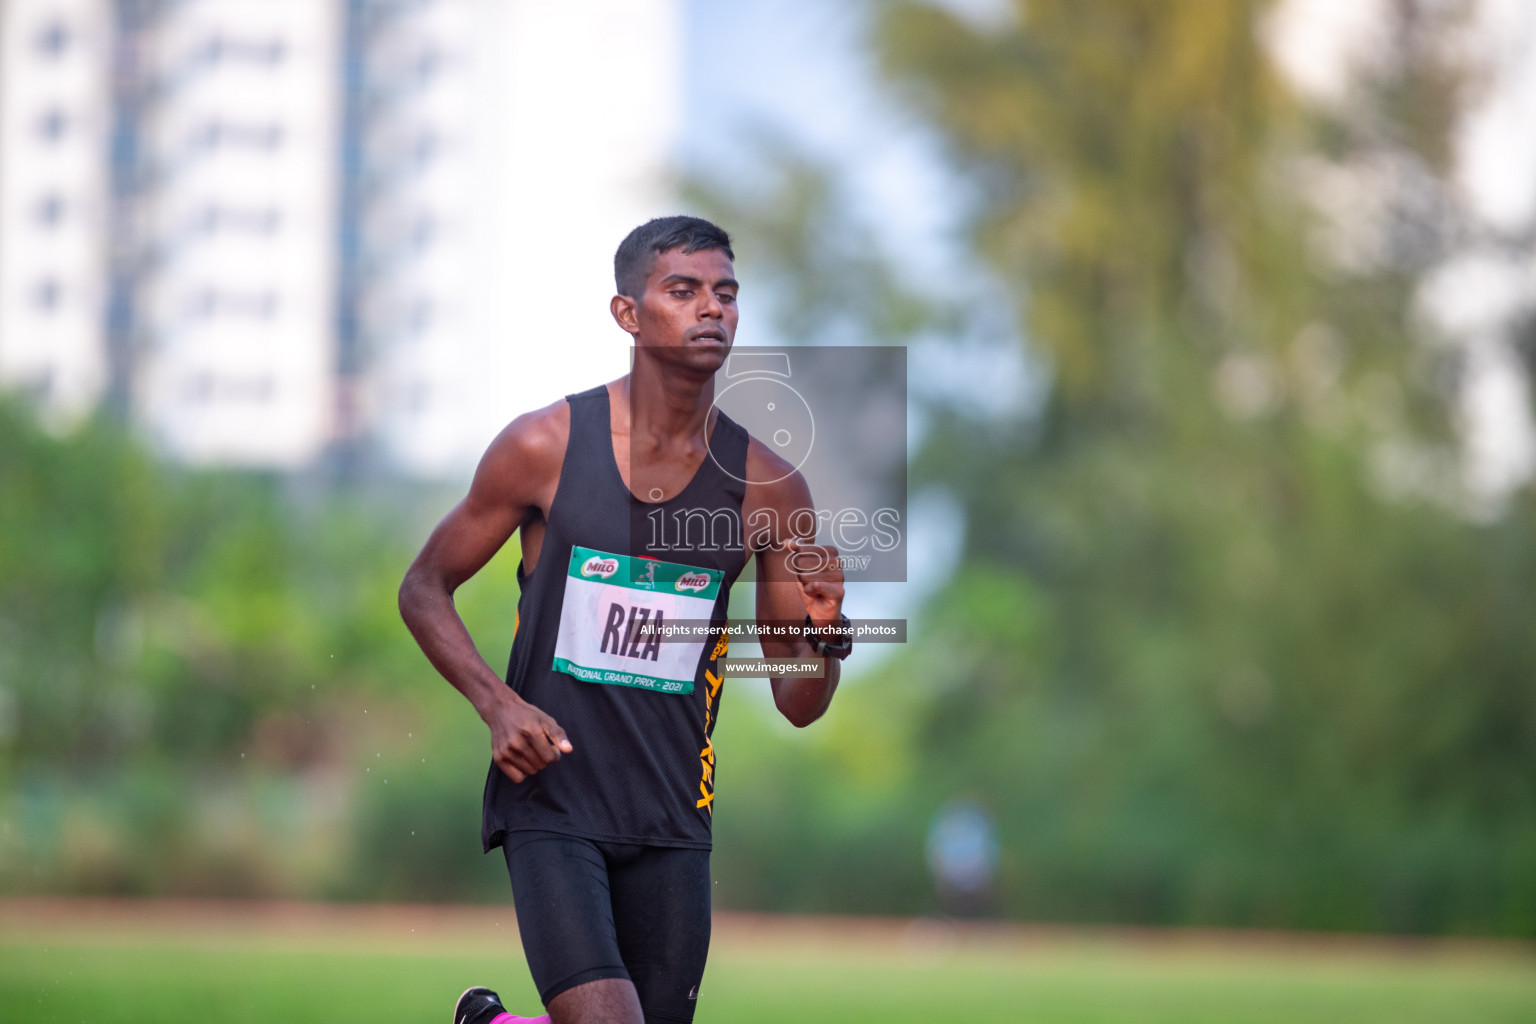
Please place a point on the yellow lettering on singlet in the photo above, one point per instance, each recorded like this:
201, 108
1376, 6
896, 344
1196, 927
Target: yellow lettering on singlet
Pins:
707, 755
710, 692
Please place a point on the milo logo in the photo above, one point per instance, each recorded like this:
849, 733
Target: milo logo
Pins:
694, 581
603, 567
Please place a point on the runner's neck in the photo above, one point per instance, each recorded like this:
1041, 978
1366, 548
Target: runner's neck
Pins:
663, 406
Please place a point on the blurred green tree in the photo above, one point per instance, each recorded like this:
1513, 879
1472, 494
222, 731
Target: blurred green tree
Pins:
1226, 646
188, 662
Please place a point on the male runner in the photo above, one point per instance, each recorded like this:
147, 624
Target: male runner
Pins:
601, 788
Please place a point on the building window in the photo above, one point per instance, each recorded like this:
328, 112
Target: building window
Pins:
49, 210
47, 294
52, 124
214, 134
216, 49
52, 40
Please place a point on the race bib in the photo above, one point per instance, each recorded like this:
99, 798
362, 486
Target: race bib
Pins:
610, 600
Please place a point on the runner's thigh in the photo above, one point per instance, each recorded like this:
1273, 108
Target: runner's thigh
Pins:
661, 914
560, 889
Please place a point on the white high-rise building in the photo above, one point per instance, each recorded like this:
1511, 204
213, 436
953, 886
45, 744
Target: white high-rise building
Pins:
266, 229
55, 116
235, 303
409, 277
559, 121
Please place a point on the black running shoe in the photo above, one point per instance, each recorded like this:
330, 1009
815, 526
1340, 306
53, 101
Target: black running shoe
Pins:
478, 1005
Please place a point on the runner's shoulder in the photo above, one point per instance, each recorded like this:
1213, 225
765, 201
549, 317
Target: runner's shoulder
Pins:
533, 443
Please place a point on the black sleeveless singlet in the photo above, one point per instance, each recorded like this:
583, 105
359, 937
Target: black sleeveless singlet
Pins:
642, 768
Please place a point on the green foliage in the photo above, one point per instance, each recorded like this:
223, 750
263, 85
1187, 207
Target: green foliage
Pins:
1212, 659
193, 664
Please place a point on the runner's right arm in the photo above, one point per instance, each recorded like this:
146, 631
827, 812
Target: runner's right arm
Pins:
511, 486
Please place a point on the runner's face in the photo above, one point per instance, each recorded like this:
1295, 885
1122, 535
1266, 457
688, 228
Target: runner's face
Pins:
687, 313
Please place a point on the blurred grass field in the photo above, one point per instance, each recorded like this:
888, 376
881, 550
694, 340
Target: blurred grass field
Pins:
112, 963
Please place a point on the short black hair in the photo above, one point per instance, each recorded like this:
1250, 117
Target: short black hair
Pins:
637, 254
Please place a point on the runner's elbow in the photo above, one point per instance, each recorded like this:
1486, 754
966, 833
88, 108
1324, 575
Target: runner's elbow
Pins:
405, 598
414, 594
802, 719
798, 715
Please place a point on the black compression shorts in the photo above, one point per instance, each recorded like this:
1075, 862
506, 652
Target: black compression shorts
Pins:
588, 910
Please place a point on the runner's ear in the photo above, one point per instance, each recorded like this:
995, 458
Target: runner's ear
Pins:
623, 309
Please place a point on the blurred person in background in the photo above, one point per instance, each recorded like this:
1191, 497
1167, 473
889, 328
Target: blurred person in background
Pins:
962, 854
602, 784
